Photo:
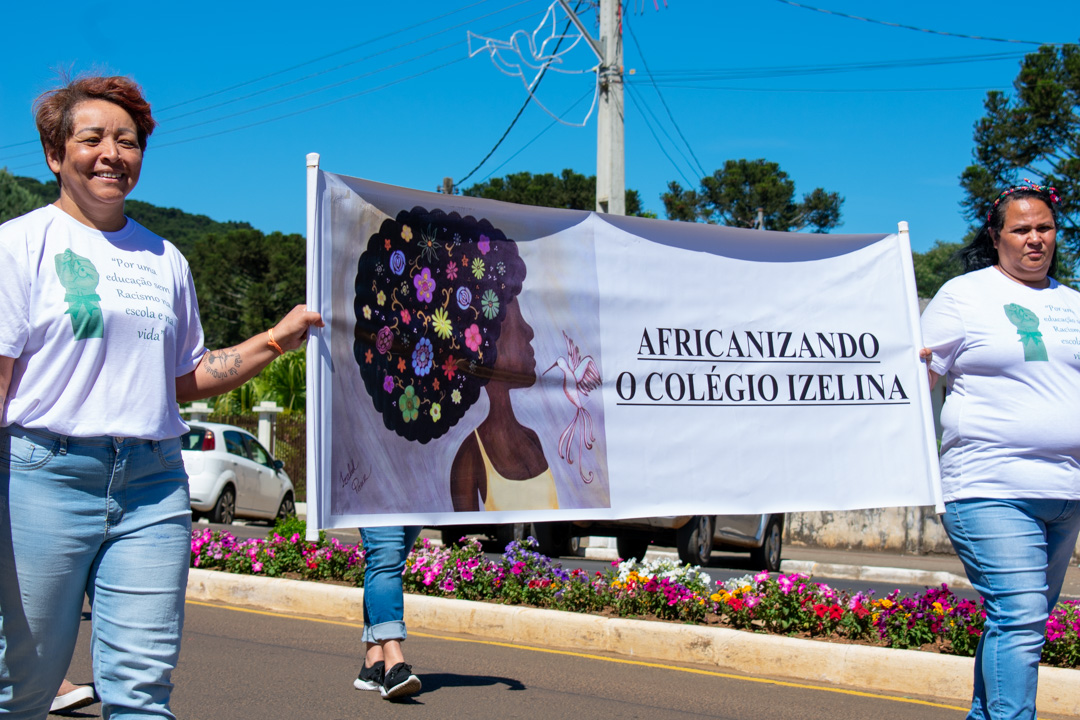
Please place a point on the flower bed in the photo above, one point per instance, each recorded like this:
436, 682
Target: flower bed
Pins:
792, 605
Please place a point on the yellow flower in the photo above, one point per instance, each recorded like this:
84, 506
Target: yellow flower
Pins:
443, 327
406, 233
381, 298
886, 603
938, 609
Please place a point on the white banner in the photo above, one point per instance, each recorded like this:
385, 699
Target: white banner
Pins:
485, 362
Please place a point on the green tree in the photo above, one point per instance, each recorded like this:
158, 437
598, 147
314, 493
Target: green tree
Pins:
733, 195
936, 266
1033, 134
246, 281
569, 189
15, 198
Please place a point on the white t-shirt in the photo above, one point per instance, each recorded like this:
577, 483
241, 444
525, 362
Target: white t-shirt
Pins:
1011, 357
100, 325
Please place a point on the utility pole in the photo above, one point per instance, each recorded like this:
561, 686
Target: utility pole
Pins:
447, 187
610, 142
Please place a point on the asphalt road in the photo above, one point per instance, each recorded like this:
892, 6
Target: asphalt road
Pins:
239, 664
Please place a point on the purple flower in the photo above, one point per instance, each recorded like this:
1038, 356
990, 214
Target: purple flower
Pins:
484, 245
464, 297
388, 384
384, 340
397, 262
425, 285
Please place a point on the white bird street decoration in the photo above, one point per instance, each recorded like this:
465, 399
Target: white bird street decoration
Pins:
580, 376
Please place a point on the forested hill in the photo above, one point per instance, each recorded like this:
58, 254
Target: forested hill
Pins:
180, 228
246, 280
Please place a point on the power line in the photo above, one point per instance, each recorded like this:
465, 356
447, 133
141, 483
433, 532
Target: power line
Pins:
912, 27
659, 143
774, 71
550, 125
671, 117
169, 131
317, 107
729, 88
324, 57
358, 60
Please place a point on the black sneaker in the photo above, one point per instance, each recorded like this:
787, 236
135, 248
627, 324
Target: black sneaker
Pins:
370, 678
400, 682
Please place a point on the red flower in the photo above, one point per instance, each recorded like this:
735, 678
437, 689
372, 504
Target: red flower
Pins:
387, 243
401, 364
367, 356
449, 368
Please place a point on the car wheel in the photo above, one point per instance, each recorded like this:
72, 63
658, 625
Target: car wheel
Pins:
767, 556
552, 538
224, 511
287, 508
632, 547
694, 540
506, 534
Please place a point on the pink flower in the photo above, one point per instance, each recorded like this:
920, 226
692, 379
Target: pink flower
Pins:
256, 567
472, 337
451, 270
406, 317
425, 285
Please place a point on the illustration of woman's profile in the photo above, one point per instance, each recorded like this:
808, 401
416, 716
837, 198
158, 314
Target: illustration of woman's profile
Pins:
437, 319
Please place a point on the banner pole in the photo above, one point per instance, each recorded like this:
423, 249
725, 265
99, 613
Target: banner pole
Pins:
932, 468
313, 373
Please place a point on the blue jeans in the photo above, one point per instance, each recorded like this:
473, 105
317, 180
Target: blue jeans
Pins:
108, 518
1015, 553
385, 550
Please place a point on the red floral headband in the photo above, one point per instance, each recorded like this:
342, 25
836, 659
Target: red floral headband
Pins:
1028, 185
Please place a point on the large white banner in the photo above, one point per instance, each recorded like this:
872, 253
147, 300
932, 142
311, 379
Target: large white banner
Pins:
489, 362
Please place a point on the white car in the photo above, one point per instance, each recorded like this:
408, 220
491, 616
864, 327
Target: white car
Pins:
231, 475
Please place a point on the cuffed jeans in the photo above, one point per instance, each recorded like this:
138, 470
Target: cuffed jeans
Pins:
385, 550
104, 517
1015, 553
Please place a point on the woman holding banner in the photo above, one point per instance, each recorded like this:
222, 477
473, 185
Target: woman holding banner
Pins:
1006, 336
99, 341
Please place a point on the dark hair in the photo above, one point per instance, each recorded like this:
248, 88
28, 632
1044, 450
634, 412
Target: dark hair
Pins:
53, 110
431, 296
981, 253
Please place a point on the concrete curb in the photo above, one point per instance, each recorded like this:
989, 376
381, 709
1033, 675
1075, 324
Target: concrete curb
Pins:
856, 666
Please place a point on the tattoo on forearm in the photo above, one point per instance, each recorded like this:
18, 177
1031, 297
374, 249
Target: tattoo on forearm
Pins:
221, 364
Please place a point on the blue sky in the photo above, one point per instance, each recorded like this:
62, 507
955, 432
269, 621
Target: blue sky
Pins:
387, 91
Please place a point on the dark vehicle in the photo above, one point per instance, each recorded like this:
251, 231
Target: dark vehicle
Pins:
694, 536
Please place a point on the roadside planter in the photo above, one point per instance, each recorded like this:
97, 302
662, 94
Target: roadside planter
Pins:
790, 605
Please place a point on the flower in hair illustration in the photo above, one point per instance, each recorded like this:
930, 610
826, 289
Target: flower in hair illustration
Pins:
580, 377
80, 278
1027, 327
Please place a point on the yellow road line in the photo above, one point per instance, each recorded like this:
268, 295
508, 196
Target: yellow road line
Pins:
588, 656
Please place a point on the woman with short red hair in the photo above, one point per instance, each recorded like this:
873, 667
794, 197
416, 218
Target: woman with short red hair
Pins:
99, 342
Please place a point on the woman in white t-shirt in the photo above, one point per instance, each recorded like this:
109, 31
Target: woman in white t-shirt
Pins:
1006, 336
99, 341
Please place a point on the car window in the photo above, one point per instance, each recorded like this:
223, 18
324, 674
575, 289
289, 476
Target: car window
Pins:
234, 443
258, 453
193, 439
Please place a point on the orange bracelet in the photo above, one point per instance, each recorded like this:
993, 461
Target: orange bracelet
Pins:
273, 343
